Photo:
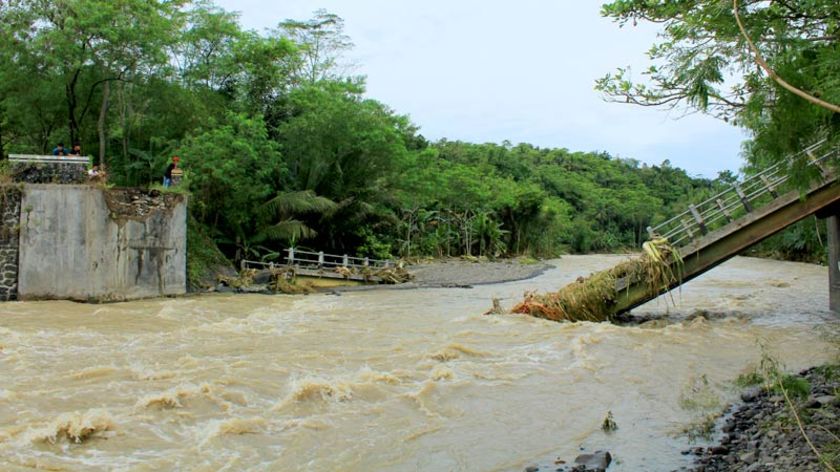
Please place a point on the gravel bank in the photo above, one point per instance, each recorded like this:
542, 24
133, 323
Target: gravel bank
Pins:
761, 435
456, 272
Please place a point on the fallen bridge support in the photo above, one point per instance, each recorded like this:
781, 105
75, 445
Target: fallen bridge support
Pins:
833, 225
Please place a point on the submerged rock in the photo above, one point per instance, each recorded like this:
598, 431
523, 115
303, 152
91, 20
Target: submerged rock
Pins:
595, 462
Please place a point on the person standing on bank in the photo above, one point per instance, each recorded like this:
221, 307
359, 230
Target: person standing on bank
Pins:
59, 150
76, 150
167, 176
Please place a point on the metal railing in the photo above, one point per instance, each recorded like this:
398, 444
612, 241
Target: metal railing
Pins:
738, 199
320, 260
50, 159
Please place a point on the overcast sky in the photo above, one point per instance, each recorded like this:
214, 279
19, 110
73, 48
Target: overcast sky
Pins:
493, 70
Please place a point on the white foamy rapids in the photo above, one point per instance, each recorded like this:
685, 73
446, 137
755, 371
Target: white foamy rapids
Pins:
365, 384
74, 427
186, 395
219, 429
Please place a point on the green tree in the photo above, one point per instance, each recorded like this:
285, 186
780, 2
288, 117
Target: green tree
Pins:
337, 143
322, 43
702, 61
233, 168
286, 207
89, 44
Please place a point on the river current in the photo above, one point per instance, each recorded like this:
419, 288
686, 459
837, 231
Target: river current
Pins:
391, 379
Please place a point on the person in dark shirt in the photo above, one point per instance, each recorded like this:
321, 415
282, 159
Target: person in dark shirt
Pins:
167, 176
59, 150
76, 151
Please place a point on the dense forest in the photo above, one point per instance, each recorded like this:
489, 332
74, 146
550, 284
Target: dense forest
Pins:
281, 146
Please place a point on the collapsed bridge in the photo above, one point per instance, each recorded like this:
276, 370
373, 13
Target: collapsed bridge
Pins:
704, 236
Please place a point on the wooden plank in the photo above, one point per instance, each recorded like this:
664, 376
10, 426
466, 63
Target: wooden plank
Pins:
816, 163
698, 219
769, 186
743, 198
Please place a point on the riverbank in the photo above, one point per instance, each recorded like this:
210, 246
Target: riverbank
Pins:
763, 433
460, 272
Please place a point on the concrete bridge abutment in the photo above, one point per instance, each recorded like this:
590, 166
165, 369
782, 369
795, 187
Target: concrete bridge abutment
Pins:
833, 225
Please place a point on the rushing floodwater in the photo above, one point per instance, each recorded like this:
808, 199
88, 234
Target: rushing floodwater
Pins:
387, 379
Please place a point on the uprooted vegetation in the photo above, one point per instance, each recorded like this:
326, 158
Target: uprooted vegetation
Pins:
385, 275
280, 280
592, 298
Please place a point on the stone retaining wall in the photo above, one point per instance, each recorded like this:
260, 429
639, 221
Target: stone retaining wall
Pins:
49, 172
10, 198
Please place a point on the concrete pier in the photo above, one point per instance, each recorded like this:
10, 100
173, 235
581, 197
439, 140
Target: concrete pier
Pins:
833, 225
85, 243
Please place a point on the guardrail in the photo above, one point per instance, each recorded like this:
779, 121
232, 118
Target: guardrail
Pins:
50, 159
308, 259
737, 200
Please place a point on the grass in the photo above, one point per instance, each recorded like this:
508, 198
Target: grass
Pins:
749, 379
203, 257
699, 395
704, 428
609, 425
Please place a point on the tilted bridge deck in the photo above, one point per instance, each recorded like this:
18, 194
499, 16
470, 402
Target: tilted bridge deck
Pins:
717, 229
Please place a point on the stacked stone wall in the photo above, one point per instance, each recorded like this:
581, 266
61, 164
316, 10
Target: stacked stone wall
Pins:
10, 198
49, 172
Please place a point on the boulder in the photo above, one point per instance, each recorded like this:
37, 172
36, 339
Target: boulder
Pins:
595, 462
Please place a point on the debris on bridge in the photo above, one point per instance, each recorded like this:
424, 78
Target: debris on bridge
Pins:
285, 281
592, 298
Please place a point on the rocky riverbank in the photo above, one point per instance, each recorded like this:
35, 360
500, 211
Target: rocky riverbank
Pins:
762, 434
598, 461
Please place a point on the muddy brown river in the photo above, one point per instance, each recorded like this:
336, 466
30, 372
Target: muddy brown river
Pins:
398, 380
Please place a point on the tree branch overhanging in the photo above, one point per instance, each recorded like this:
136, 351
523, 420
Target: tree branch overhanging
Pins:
773, 75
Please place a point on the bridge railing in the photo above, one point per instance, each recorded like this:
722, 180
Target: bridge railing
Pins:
38, 158
735, 201
319, 260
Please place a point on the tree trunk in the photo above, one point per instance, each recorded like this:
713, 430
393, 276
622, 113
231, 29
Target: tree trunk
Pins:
2, 148
124, 121
408, 233
70, 92
100, 124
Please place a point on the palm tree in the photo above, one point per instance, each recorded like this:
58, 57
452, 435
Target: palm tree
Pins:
286, 207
